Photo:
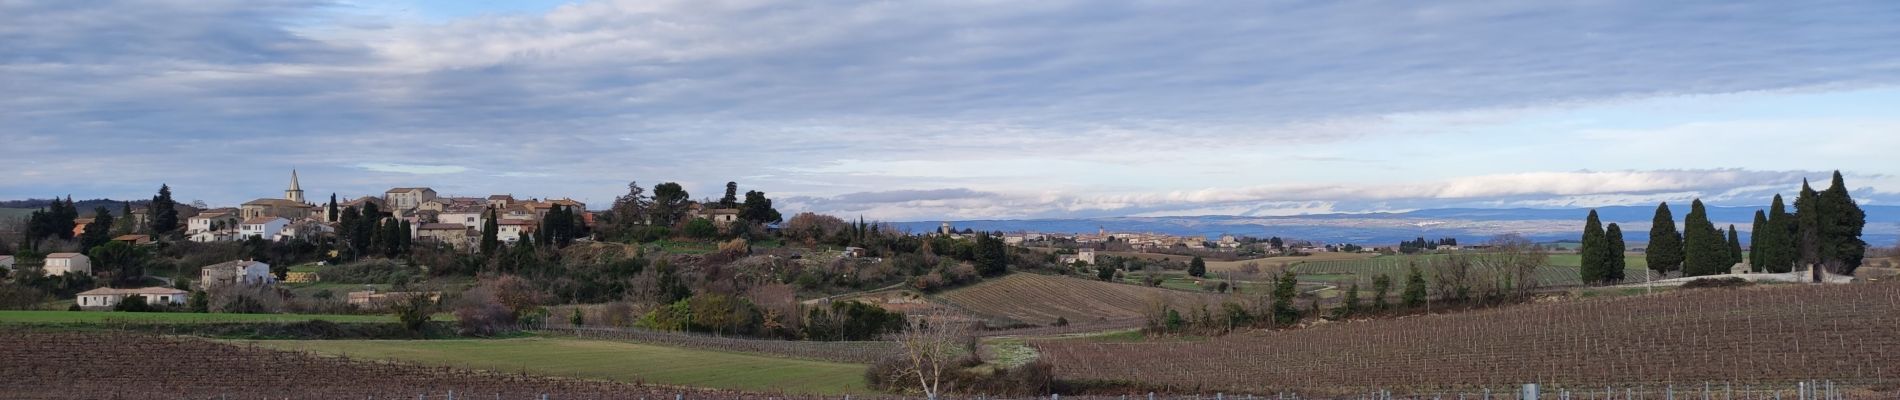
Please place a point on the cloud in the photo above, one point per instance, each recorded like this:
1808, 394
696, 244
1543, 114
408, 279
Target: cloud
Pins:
1528, 190
414, 169
1028, 108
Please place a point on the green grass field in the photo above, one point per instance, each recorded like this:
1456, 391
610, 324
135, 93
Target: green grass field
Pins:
608, 360
95, 317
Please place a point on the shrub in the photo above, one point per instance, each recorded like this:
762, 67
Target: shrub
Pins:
700, 228
413, 311
16, 297
133, 303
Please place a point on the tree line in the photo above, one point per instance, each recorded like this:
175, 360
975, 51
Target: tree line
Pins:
1823, 231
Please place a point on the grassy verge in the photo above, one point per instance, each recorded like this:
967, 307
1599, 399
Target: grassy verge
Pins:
619, 361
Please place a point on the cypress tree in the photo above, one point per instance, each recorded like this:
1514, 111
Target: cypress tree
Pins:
1777, 247
1807, 216
1665, 243
1704, 251
1592, 269
1757, 241
333, 210
1197, 267
1614, 249
490, 230
1842, 222
1734, 246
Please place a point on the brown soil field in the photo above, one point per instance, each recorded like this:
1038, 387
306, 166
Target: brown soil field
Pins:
1772, 335
1041, 299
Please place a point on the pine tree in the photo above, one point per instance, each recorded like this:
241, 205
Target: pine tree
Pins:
1197, 267
1614, 249
1665, 243
1778, 240
1841, 223
1594, 264
1734, 246
1704, 250
164, 211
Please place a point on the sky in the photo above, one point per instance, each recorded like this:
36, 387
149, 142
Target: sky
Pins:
926, 110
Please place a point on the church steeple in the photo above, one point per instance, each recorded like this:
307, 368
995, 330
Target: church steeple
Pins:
295, 193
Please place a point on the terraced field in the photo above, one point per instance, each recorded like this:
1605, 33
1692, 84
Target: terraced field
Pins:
1041, 299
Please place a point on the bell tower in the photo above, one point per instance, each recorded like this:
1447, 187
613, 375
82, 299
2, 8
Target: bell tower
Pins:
295, 192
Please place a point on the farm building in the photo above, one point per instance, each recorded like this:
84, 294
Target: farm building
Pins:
233, 272
61, 263
108, 297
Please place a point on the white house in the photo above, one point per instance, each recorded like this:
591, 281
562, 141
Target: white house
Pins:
235, 272
510, 230
108, 297
220, 219
6, 262
264, 227
471, 217
61, 263
305, 229
214, 236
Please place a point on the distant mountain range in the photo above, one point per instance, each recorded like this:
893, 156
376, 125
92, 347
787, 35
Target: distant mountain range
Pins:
1469, 225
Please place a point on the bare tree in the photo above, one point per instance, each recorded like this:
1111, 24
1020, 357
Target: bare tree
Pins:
931, 347
1513, 261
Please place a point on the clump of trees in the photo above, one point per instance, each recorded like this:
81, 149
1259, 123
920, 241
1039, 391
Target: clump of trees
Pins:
1823, 231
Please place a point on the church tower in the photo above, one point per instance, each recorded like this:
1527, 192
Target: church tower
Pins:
295, 193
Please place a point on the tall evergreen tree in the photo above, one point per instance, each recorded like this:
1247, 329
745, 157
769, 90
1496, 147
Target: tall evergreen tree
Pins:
731, 200
1614, 249
490, 230
164, 211
1807, 216
1705, 252
1593, 268
1197, 267
1842, 222
1734, 246
332, 215
1757, 241
1777, 238
1665, 243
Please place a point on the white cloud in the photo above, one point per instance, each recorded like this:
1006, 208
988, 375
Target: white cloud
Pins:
414, 169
